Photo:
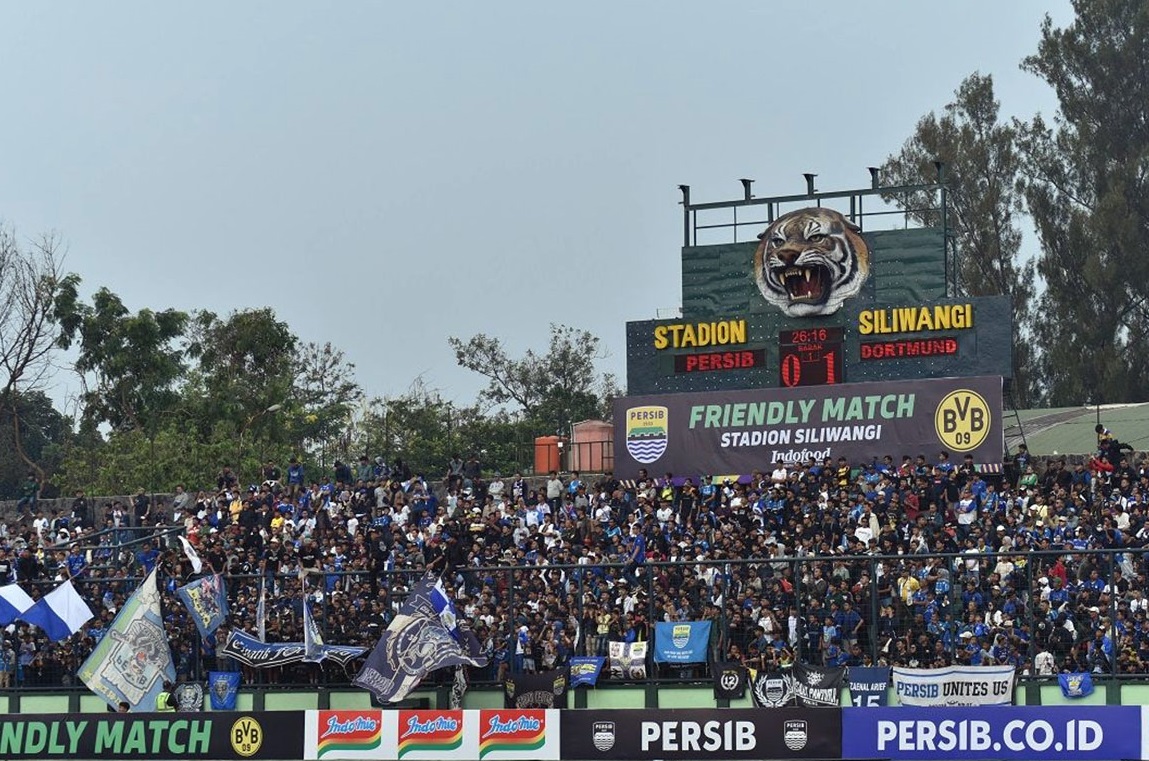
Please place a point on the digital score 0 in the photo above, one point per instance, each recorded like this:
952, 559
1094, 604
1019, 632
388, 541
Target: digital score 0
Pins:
810, 357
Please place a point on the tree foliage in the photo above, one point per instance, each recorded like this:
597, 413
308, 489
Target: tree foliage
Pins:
37, 310
1088, 192
134, 361
982, 170
550, 390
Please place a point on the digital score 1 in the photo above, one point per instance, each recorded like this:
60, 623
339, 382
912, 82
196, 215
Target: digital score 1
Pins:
810, 357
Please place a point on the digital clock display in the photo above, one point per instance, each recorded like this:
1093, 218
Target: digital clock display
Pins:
810, 357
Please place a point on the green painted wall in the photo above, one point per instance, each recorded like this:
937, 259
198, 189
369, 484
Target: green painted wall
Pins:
624, 697
290, 701
608, 697
39, 703
1051, 696
350, 700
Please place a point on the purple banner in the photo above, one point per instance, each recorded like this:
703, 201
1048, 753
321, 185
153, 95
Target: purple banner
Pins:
738, 432
1004, 732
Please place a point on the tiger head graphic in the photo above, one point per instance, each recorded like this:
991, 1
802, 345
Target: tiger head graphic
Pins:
809, 261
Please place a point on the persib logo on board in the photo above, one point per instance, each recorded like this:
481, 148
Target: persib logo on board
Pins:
646, 432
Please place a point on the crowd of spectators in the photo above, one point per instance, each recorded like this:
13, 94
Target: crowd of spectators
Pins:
923, 562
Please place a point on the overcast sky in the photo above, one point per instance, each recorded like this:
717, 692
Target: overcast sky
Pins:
388, 174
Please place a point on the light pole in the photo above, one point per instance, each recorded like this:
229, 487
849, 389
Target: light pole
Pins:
239, 449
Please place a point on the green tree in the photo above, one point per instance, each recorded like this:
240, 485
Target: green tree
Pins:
550, 390
982, 171
326, 394
243, 384
132, 364
1087, 189
37, 310
43, 432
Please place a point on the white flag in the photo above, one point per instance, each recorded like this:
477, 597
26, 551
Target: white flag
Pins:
261, 611
192, 555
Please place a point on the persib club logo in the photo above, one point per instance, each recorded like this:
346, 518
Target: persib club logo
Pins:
646, 432
602, 735
680, 635
794, 734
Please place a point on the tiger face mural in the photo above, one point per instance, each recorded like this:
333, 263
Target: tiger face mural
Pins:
809, 261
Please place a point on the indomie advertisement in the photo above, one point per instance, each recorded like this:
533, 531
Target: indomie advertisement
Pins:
738, 432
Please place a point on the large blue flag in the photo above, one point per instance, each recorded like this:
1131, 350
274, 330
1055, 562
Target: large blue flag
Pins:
206, 601
585, 670
681, 641
425, 636
132, 662
223, 687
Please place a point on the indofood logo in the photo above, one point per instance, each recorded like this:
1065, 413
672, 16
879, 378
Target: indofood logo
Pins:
646, 432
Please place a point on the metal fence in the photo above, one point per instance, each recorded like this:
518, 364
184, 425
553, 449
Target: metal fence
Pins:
913, 609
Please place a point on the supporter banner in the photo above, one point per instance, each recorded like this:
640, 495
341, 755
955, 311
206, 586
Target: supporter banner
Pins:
547, 689
1009, 733
737, 431
955, 686
262, 655
816, 685
771, 689
206, 601
585, 670
1076, 685
627, 660
681, 641
502, 735
729, 680
157, 735
803, 685
732, 734
223, 687
869, 685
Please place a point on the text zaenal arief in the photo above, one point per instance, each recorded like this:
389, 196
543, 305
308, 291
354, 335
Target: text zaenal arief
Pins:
802, 421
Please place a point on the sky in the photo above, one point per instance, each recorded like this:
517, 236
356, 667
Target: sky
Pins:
389, 174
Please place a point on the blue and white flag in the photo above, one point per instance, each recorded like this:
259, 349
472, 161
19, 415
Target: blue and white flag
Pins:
192, 555
60, 613
261, 612
312, 638
681, 641
429, 599
133, 660
425, 636
869, 685
222, 687
1076, 685
14, 601
585, 670
206, 601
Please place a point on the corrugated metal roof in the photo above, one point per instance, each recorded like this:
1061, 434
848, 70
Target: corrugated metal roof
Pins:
1070, 430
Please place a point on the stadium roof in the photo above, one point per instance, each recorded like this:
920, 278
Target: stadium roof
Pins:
1070, 430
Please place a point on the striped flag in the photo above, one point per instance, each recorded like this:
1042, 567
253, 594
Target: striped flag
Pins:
13, 602
60, 613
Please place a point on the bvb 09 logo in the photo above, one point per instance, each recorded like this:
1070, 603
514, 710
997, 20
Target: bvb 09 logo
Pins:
962, 420
246, 736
